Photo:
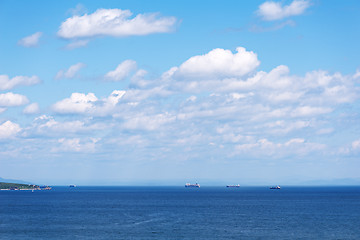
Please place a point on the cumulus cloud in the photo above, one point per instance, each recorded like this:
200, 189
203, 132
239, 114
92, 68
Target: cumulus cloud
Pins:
257, 105
217, 63
122, 71
31, 108
6, 83
30, 41
270, 10
77, 103
80, 103
114, 22
223, 72
12, 99
9, 129
71, 72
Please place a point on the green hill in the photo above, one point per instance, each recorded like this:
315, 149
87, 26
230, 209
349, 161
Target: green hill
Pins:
15, 186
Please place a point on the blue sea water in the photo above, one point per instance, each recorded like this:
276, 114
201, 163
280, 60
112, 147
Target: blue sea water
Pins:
181, 213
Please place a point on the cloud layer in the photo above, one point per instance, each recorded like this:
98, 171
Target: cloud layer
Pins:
217, 105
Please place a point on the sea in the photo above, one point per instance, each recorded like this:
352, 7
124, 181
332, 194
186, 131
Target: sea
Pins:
181, 213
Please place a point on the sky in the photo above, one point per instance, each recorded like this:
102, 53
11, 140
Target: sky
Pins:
168, 92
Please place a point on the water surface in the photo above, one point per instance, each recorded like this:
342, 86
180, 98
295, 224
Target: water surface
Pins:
181, 213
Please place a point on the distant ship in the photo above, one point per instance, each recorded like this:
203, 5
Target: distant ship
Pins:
277, 187
72, 186
236, 186
196, 185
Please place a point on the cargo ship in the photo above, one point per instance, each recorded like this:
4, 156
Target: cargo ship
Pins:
277, 187
196, 185
233, 186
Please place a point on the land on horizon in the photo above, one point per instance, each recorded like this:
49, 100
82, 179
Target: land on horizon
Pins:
18, 186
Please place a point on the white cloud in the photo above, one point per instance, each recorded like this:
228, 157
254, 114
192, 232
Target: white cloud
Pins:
340, 94
294, 141
80, 103
138, 79
122, 71
137, 95
114, 22
77, 103
30, 41
275, 87
32, 108
277, 78
264, 147
114, 97
70, 72
45, 125
306, 111
191, 98
218, 63
356, 145
9, 129
272, 114
11, 99
357, 74
76, 145
270, 10
285, 127
77, 44
285, 96
6, 83
325, 131
149, 123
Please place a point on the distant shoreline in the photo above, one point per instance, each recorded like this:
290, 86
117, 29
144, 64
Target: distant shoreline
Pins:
18, 186
29, 189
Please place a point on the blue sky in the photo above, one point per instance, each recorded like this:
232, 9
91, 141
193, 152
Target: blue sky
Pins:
168, 92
